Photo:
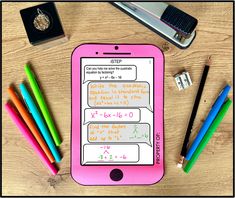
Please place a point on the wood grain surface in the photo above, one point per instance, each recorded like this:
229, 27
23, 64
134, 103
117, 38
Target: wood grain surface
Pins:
23, 172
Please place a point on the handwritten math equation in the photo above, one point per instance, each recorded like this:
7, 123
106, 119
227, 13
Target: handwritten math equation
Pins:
108, 114
107, 155
111, 153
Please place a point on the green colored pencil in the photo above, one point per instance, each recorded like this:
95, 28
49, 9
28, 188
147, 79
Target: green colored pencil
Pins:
208, 135
42, 105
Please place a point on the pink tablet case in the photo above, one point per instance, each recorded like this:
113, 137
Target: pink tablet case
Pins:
132, 175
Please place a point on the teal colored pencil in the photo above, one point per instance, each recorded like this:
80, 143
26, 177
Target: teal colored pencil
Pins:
208, 135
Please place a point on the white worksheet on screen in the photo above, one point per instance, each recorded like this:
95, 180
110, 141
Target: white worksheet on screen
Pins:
109, 125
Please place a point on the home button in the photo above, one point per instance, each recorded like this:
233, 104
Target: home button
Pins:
116, 175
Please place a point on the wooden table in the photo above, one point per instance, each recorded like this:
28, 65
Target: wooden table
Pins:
24, 174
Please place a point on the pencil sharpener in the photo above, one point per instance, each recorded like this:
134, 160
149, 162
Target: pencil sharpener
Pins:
42, 23
183, 80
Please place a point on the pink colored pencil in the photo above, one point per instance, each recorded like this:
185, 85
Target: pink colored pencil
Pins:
27, 134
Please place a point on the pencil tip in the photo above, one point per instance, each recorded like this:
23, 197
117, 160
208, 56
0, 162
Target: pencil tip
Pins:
180, 162
208, 61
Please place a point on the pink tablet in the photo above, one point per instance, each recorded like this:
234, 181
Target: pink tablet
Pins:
117, 114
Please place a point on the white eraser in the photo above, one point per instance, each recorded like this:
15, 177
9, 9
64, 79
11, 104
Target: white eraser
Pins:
179, 165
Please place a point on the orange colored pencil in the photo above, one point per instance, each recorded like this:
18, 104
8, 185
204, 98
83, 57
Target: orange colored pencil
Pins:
30, 123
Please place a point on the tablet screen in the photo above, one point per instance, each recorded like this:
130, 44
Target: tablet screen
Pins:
117, 111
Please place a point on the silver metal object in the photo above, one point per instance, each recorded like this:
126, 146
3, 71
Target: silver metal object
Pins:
150, 13
183, 80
